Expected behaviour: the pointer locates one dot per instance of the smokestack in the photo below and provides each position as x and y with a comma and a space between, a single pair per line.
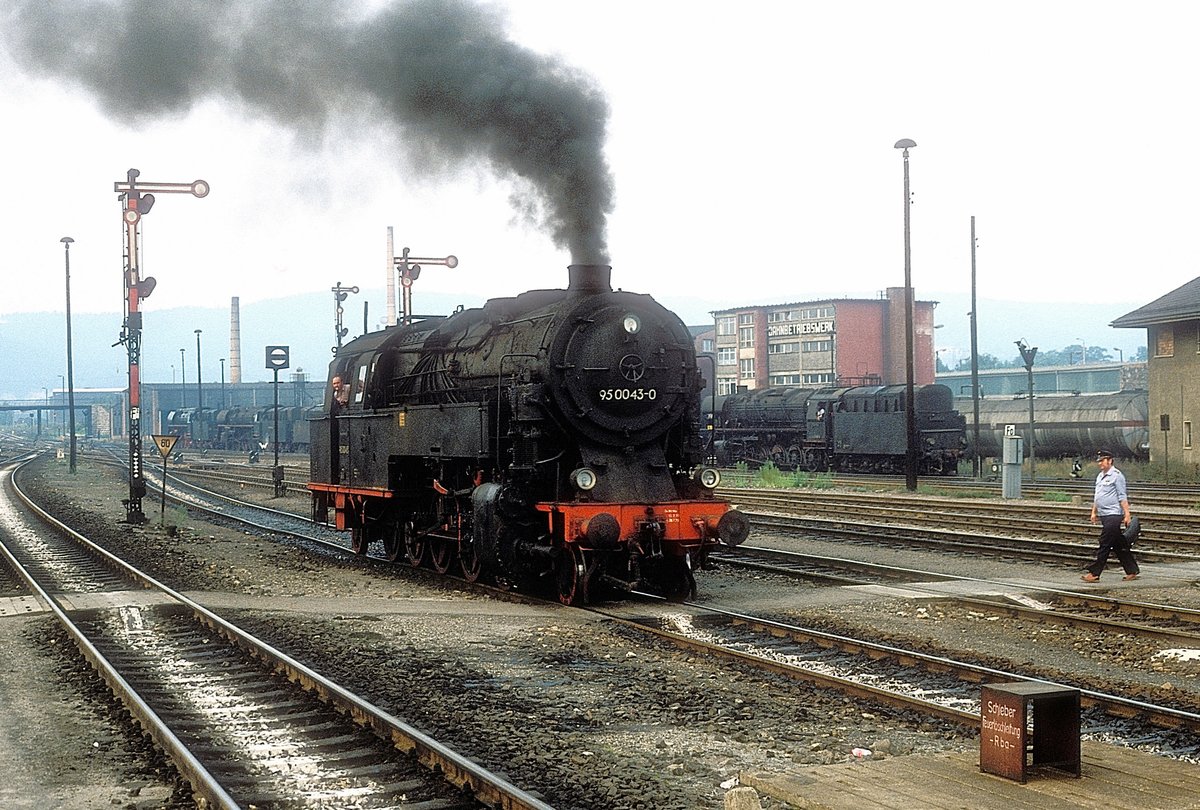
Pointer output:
391, 282
589, 278
235, 342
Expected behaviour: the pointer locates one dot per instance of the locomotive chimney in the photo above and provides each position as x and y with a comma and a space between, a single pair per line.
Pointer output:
586, 279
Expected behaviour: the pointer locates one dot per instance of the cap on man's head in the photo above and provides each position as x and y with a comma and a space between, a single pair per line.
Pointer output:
1103, 454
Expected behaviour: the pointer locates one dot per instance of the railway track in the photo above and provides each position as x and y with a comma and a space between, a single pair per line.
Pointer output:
931, 685
1060, 529
1145, 493
942, 688
1170, 624
244, 724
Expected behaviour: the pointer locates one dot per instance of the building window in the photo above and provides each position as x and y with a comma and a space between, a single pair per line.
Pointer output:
725, 326
707, 345
746, 368
1164, 342
1187, 434
811, 379
726, 356
726, 386
823, 346
785, 379
783, 348
746, 337
746, 319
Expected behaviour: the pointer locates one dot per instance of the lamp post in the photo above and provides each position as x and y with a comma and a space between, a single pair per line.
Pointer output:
977, 462
199, 389
182, 380
910, 415
1083, 356
1120, 354
222, 382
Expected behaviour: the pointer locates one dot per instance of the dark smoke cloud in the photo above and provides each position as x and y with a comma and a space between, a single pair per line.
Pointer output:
441, 71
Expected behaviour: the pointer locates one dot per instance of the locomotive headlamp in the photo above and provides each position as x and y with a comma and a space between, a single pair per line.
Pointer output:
584, 479
708, 477
631, 323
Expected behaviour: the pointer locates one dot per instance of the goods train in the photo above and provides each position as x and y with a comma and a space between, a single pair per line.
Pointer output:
547, 438
1064, 426
861, 429
241, 429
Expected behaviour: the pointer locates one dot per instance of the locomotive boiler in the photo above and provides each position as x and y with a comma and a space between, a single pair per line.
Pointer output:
858, 429
551, 437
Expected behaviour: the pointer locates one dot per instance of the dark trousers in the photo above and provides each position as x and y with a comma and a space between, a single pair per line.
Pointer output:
1112, 541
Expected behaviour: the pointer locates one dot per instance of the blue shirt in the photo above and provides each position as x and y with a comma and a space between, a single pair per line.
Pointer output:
1110, 491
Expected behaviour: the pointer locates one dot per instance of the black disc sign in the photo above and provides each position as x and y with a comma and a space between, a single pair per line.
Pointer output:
277, 357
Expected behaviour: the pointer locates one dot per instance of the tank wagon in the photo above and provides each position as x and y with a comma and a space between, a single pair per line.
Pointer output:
859, 429
1065, 426
550, 437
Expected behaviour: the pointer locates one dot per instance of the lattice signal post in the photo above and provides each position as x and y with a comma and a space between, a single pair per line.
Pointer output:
136, 200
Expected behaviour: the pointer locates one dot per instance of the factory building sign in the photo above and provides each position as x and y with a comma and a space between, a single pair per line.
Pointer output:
806, 328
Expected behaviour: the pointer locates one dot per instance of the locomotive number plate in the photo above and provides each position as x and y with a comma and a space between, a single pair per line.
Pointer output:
627, 394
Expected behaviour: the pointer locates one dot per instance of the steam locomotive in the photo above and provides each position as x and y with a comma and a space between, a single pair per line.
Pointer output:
862, 429
245, 429
550, 437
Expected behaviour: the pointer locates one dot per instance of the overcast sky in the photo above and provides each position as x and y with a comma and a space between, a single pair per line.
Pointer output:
750, 148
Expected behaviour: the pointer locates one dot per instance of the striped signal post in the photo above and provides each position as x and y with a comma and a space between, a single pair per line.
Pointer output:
137, 198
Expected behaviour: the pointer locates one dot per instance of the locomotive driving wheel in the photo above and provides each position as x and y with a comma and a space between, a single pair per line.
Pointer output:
393, 541
574, 576
468, 558
414, 545
812, 460
441, 554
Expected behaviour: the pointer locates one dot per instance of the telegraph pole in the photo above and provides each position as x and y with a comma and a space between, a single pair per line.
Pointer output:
977, 462
910, 405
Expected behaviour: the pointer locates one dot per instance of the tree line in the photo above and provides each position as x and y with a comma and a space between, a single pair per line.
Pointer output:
1066, 356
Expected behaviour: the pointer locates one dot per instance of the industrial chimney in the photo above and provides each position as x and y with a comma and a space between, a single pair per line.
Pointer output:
235, 342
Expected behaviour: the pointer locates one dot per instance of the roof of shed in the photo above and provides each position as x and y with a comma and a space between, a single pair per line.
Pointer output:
1182, 304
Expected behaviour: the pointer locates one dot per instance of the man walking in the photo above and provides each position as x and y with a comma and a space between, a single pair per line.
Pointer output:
1110, 508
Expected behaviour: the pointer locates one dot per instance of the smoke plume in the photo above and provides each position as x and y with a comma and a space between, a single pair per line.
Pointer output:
441, 72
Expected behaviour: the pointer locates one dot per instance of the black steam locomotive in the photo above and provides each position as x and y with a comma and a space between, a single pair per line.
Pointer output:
860, 429
548, 437
246, 429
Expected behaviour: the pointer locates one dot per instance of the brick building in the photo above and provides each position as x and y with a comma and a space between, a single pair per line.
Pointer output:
859, 341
